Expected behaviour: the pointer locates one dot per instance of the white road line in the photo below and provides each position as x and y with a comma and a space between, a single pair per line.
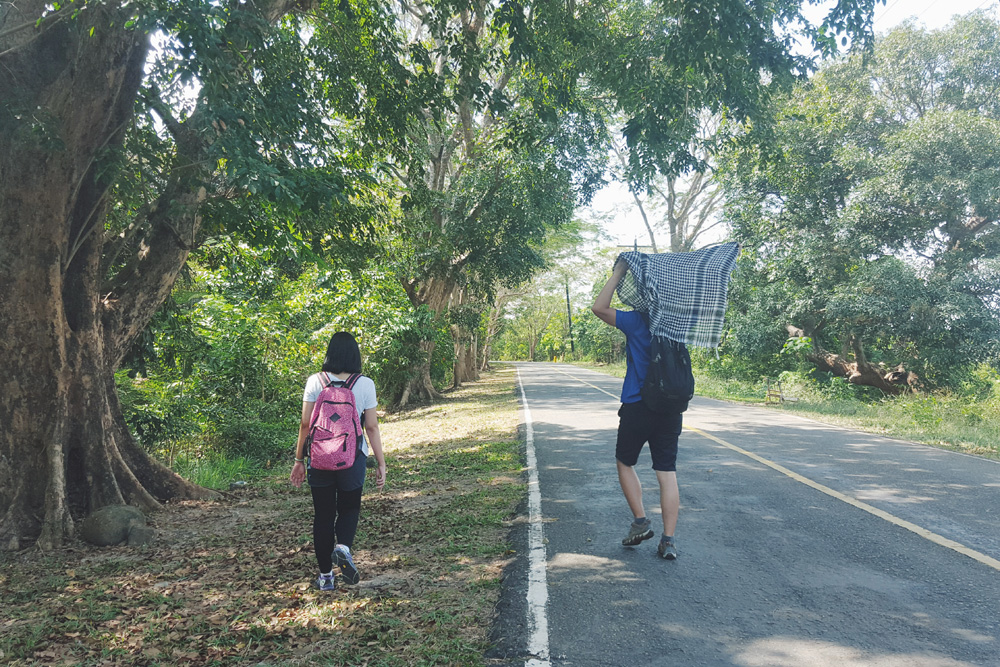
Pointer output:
850, 500
538, 591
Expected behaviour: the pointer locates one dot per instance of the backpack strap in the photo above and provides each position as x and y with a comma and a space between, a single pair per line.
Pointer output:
349, 382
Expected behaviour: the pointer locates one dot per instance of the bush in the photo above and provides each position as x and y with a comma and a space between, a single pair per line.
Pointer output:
247, 437
160, 414
224, 368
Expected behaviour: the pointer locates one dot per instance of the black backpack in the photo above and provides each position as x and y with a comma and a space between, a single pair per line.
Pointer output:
669, 384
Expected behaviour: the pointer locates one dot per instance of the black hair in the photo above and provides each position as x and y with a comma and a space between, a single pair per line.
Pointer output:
342, 354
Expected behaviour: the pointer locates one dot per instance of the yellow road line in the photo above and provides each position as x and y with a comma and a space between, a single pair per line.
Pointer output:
854, 502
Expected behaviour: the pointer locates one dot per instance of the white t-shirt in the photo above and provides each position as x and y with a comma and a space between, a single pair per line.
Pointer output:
364, 395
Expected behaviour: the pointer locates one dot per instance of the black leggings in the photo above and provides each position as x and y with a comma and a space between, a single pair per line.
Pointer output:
335, 521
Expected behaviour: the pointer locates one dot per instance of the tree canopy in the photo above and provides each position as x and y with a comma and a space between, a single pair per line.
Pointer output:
871, 214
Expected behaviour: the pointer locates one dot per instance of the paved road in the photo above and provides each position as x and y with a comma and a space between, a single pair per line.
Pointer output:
804, 555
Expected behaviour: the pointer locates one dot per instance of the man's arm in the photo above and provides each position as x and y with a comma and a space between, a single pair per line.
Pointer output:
602, 305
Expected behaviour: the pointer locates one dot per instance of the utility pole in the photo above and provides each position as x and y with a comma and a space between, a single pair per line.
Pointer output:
569, 319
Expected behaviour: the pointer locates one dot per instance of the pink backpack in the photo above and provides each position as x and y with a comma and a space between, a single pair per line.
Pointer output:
335, 429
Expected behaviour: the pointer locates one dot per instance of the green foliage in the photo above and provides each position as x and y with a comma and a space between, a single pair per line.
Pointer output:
924, 411
218, 472
554, 342
739, 368
222, 375
514, 128
869, 209
442, 359
596, 341
796, 345
237, 103
981, 384
713, 385
666, 63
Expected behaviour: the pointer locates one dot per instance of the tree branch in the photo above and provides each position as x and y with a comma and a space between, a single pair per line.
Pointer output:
645, 220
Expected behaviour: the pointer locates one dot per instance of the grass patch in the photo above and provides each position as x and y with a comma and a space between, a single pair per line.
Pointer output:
230, 582
216, 472
940, 420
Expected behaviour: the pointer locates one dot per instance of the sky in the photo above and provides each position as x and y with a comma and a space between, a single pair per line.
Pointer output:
625, 224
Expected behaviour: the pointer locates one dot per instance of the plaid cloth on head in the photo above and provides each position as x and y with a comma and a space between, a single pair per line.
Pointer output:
682, 293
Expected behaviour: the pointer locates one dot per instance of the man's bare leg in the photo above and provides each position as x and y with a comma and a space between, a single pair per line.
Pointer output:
632, 488
670, 500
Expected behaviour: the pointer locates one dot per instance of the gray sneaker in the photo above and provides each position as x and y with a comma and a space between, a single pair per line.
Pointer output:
666, 549
327, 582
637, 532
342, 559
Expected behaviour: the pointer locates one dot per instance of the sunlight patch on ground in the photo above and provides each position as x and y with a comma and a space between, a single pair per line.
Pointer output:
891, 495
792, 652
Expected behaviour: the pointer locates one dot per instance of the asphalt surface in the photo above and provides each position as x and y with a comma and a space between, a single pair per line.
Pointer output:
772, 571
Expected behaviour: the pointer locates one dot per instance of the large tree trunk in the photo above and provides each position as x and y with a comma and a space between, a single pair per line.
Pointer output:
420, 388
492, 329
466, 355
68, 89
68, 94
471, 362
858, 370
435, 293
464, 368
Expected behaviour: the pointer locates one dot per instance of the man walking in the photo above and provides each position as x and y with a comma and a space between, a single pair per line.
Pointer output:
639, 425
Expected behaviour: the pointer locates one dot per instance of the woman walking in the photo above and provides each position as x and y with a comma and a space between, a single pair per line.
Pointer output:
337, 493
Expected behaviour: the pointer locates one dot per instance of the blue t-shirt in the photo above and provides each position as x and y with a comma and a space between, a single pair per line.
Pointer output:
637, 341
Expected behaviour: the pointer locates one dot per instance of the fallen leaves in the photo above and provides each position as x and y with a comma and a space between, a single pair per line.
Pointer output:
230, 583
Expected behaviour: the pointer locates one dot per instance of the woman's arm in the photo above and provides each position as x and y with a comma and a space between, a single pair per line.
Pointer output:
299, 469
602, 304
375, 440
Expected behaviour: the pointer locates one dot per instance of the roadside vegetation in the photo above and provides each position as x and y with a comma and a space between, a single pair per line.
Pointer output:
231, 582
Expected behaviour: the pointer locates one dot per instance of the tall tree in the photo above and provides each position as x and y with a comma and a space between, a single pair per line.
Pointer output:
116, 160
493, 167
511, 138
877, 213
683, 206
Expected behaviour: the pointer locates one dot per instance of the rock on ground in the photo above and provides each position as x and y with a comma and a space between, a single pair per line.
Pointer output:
112, 525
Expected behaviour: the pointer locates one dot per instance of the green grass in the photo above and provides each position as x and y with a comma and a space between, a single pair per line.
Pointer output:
941, 420
215, 472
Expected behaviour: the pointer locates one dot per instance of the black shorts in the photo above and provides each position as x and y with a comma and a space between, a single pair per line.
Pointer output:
639, 425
